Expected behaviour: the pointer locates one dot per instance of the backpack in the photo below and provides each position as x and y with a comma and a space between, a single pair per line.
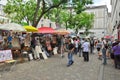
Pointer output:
92, 42
106, 46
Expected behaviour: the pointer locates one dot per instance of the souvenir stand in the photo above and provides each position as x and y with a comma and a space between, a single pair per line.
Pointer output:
26, 49
27, 41
16, 49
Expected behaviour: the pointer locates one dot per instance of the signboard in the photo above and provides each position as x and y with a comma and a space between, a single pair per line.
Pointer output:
5, 55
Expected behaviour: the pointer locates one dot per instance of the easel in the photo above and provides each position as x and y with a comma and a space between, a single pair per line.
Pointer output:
7, 58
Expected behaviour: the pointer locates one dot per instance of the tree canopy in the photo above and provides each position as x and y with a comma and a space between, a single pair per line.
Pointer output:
31, 11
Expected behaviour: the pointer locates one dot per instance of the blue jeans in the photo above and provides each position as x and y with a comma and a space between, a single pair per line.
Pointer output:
91, 49
104, 56
80, 52
76, 50
70, 58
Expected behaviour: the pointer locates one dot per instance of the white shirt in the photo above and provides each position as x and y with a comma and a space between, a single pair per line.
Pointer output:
76, 44
72, 41
86, 46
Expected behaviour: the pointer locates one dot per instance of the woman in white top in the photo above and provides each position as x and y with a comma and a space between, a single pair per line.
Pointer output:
86, 49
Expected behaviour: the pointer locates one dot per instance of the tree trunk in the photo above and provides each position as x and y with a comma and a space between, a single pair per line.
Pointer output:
44, 10
36, 12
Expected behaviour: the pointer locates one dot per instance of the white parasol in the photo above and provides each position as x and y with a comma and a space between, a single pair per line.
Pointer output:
12, 26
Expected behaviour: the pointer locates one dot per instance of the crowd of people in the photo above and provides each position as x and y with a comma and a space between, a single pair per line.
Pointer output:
106, 48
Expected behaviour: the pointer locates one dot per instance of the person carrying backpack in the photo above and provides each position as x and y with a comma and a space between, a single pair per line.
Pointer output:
91, 45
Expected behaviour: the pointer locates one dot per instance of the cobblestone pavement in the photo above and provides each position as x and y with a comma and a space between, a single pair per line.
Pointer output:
110, 73
55, 68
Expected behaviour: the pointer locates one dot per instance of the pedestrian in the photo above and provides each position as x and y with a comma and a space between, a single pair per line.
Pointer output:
99, 46
86, 49
109, 49
9, 38
115, 42
104, 55
70, 53
116, 51
79, 46
91, 45
1, 41
48, 47
62, 46
81, 49
37, 44
76, 44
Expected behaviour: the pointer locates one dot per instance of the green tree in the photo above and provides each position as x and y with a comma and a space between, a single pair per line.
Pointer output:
31, 10
63, 14
59, 15
80, 5
84, 20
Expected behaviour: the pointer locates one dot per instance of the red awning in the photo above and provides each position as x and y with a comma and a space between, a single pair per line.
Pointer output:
108, 37
46, 30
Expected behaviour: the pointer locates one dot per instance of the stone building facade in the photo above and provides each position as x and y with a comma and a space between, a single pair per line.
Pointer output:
115, 18
99, 28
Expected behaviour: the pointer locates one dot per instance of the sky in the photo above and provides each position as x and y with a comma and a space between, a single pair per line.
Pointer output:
96, 2
103, 2
3, 2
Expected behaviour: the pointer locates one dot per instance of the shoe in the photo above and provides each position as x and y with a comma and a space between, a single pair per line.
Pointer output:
118, 66
100, 58
72, 62
104, 63
62, 56
68, 65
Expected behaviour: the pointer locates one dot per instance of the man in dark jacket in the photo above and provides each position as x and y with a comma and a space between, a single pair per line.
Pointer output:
91, 45
70, 53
